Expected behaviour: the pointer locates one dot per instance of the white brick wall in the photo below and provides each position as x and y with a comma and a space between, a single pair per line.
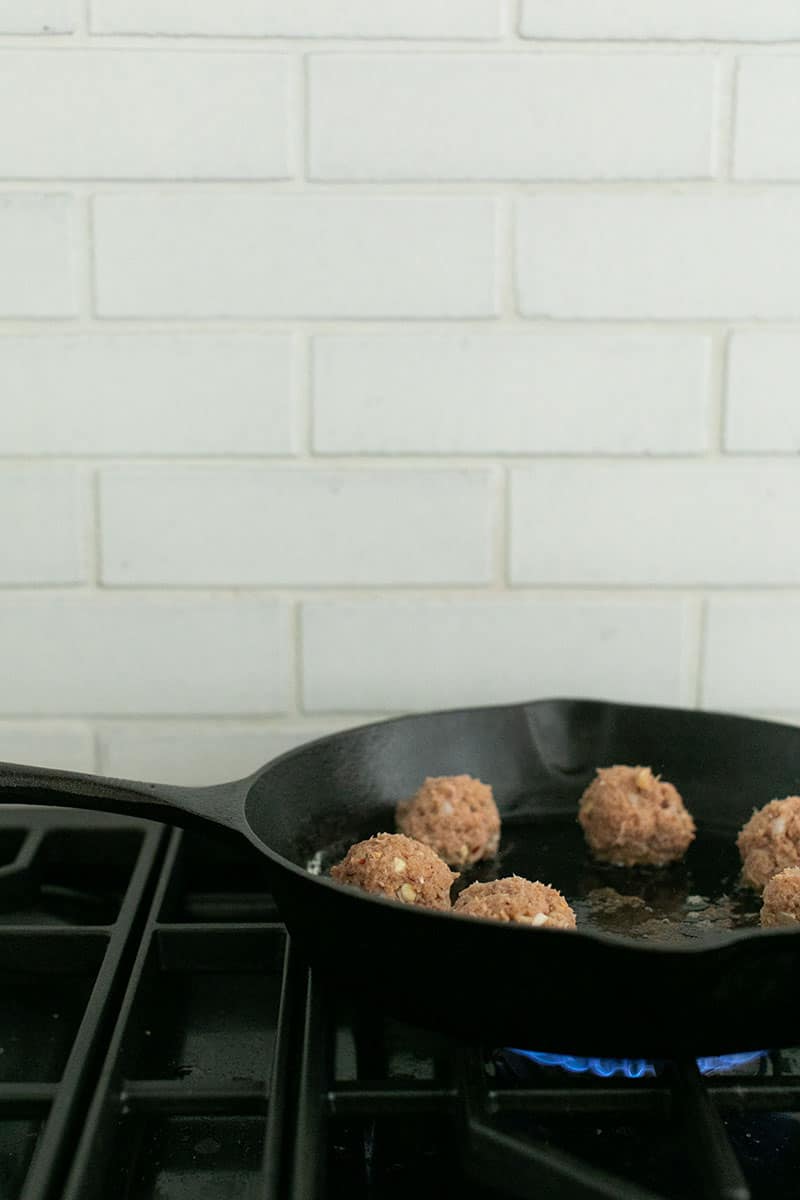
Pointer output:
452, 653
66, 746
242, 254
717, 20
239, 525
376, 355
303, 18
89, 655
112, 115
511, 393
147, 394
711, 255
37, 16
192, 753
752, 656
763, 409
462, 116
37, 253
665, 523
767, 107
42, 523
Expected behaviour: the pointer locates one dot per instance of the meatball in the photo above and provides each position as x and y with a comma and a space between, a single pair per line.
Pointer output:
782, 898
770, 841
632, 817
516, 899
398, 867
456, 815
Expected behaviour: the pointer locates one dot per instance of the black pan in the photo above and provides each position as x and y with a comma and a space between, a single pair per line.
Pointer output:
678, 968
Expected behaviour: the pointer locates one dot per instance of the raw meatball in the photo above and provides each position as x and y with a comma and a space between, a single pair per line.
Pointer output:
770, 841
782, 898
631, 817
398, 867
456, 815
516, 899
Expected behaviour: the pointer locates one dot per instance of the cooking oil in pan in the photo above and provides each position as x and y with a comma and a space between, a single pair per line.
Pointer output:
687, 901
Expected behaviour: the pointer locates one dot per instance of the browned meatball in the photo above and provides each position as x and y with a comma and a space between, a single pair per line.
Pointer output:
782, 898
456, 815
516, 899
398, 867
632, 817
770, 841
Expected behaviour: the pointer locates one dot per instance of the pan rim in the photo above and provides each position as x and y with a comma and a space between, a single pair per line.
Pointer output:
713, 944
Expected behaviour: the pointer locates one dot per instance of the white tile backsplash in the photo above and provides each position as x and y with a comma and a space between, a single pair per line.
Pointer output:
666, 523
43, 525
147, 394
260, 526
241, 254
452, 654
391, 354
459, 116
448, 394
661, 255
115, 115
96, 655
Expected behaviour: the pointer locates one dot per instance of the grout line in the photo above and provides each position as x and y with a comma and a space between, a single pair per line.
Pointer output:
510, 22
298, 118
353, 464
181, 722
395, 327
507, 41
724, 119
733, 119
317, 723
278, 723
612, 592
420, 187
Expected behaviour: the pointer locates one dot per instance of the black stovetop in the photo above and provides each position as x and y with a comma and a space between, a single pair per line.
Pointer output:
160, 1040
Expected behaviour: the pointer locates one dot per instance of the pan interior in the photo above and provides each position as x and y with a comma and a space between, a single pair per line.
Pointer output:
312, 804
688, 901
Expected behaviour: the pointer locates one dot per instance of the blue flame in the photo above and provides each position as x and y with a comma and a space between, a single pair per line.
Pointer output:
720, 1063
631, 1068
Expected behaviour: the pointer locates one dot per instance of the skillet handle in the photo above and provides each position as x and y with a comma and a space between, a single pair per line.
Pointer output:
222, 803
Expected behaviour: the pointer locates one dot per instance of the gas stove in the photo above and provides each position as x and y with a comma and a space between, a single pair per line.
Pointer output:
161, 1038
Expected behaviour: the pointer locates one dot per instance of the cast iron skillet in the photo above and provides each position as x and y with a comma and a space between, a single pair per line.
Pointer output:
632, 981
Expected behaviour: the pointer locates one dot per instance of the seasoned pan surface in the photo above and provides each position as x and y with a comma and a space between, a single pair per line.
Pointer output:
663, 962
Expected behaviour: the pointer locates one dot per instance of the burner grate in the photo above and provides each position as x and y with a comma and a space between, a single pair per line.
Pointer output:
194, 1057
371, 1124
63, 956
193, 1097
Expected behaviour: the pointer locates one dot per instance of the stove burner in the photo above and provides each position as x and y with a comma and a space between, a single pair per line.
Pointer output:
633, 1068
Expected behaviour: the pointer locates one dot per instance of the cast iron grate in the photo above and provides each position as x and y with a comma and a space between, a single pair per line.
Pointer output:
377, 1119
159, 1038
71, 896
